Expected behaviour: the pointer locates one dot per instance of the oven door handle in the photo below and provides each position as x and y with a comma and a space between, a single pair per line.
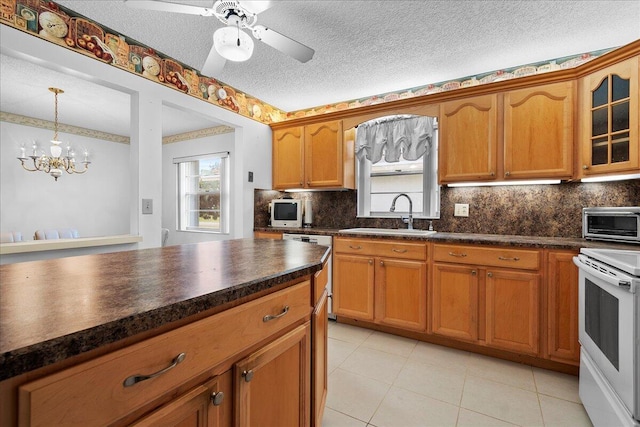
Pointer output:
625, 284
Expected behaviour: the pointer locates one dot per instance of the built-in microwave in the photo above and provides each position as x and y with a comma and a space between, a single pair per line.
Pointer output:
286, 213
619, 224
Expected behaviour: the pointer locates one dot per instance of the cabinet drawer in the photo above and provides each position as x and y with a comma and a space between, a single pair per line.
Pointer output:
488, 256
93, 393
382, 248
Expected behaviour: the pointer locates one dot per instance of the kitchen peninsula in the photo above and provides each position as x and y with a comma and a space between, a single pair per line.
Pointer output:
82, 338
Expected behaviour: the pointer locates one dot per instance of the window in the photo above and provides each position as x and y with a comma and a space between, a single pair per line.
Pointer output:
379, 183
203, 194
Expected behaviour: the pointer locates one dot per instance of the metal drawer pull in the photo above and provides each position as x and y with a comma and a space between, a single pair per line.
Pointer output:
515, 258
382, 263
217, 398
400, 251
355, 247
247, 375
268, 317
134, 379
458, 255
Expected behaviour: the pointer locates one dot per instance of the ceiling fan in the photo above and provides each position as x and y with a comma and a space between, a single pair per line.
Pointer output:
230, 42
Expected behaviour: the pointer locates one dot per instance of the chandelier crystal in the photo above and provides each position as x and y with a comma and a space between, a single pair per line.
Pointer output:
55, 163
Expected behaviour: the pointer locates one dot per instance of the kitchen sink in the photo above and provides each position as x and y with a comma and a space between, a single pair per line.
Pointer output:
388, 231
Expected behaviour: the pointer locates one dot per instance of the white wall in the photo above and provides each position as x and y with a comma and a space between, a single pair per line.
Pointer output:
96, 203
252, 140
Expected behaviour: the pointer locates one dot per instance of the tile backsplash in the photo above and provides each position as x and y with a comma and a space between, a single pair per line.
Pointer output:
535, 210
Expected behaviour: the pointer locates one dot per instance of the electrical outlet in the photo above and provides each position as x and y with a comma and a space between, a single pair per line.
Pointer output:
461, 209
147, 206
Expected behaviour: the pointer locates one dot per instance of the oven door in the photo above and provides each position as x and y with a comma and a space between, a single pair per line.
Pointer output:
606, 332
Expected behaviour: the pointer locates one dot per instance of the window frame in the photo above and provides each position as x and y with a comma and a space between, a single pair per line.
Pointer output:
430, 187
182, 218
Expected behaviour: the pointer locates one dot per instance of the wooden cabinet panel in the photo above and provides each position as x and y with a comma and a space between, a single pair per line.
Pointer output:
512, 304
528, 259
454, 301
562, 308
271, 385
288, 158
538, 132
97, 388
610, 119
381, 248
401, 293
267, 235
323, 155
319, 360
468, 139
208, 405
353, 280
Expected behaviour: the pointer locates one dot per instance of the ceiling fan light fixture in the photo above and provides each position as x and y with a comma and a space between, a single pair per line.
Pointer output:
233, 44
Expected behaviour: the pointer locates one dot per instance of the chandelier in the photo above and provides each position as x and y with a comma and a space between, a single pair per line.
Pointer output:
55, 163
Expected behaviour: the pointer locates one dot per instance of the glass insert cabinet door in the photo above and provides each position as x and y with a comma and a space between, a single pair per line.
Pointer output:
610, 133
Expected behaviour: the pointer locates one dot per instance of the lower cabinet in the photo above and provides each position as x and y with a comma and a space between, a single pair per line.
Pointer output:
148, 383
319, 358
382, 281
454, 301
208, 405
272, 384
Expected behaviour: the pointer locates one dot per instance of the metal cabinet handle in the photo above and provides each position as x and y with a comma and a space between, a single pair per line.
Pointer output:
301, 183
217, 398
382, 263
370, 261
268, 317
400, 251
585, 167
355, 247
457, 255
247, 375
490, 274
134, 379
515, 258
473, 272
308, 182
492, 173
507, 173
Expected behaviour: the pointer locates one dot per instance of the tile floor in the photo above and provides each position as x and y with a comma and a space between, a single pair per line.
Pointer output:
381, 380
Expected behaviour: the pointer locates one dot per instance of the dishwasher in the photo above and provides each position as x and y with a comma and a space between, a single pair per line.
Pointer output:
317, 239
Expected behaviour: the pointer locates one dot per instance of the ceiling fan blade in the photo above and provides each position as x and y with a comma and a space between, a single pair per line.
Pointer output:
214, 64
283, 43
256, 6
164, 6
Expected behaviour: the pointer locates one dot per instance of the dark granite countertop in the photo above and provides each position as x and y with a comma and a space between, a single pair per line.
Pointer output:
471, 238
54, 309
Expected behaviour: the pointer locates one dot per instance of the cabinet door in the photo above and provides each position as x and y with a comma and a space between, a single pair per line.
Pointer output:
610, 113
319, 367
538, 132
512, 305
271, 386
454, 301
401, 293
468, 139
208, 405
323, 155
267, 235
288, 158
353, 278
562, 308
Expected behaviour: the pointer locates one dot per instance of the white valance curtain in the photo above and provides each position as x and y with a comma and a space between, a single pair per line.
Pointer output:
408, 137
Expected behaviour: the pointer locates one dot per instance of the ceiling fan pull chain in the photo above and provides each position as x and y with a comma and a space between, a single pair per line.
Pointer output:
238, 26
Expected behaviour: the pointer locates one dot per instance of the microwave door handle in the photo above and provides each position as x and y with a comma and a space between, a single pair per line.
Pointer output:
626, 284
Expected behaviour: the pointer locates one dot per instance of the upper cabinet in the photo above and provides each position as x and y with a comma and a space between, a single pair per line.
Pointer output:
468, 139
609, 131
535, 139
319, 155
538, 132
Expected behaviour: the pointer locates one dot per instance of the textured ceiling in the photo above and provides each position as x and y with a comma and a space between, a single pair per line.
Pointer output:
365, 48
362, 48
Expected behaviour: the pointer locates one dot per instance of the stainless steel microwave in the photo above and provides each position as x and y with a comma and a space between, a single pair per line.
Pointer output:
620, 224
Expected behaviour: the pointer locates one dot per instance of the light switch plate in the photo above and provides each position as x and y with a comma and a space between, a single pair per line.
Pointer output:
461, 209
147, 206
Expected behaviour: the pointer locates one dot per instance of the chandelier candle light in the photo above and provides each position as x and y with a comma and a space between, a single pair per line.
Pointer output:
55, 163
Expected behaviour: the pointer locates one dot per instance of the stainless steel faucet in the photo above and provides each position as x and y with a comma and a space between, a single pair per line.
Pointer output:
408, 221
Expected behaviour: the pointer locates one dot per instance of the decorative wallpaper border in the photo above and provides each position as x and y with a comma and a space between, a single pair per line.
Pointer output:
69, 29
74, 130
106, 136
